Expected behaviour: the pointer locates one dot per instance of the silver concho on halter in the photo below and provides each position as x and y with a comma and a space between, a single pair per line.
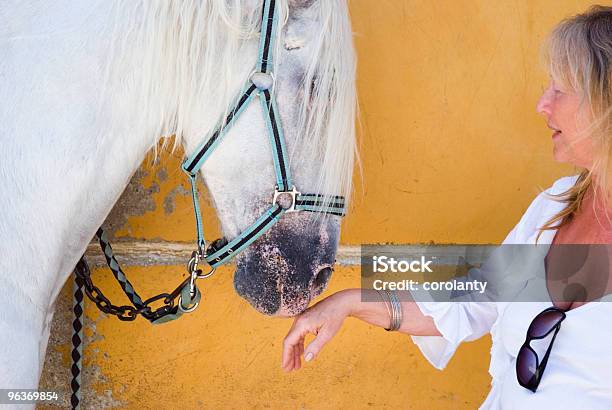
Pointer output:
286, 199
263, 81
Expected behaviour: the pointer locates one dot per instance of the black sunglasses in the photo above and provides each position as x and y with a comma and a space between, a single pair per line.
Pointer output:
529, 370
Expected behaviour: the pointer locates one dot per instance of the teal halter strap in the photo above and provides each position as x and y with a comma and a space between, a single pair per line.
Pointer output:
286, 197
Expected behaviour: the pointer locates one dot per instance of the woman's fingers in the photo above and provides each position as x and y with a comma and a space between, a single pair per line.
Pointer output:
317, 344
299, 350
301, 346
291, 345
296, 358
323, 320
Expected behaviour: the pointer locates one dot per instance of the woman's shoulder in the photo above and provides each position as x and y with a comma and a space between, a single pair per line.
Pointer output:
540, 211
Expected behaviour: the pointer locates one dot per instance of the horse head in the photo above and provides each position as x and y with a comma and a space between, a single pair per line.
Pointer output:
314, 88
312, 79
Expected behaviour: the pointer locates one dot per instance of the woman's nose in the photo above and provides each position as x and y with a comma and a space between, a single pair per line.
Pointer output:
544, 104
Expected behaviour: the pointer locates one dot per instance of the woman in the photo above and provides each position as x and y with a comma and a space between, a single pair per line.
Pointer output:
577, 369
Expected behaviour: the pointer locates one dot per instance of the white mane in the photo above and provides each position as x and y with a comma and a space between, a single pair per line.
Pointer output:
189, 53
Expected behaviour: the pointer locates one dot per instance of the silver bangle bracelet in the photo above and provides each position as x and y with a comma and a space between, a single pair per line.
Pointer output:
396, 306
387, 302
391, 299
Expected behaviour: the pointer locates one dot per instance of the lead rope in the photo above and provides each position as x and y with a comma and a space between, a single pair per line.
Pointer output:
77, 342
118, 273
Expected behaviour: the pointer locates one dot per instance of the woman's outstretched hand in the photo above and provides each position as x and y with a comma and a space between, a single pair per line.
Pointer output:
323, 320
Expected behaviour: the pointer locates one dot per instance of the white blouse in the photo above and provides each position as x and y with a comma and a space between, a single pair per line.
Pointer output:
578, 374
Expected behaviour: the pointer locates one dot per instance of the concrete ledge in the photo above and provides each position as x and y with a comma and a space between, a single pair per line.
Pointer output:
140, 253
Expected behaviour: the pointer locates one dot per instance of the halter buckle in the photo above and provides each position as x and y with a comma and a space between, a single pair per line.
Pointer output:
282, 199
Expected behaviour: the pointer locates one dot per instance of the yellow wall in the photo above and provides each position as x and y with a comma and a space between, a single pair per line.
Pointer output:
452, 152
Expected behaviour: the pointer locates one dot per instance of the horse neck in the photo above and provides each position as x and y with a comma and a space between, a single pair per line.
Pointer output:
60, 192
62, 169
78, 127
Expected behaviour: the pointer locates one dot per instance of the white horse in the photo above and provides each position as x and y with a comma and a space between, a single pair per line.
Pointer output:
88, 87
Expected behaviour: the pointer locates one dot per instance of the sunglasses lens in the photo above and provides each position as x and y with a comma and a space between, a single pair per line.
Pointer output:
544, 323
526, 365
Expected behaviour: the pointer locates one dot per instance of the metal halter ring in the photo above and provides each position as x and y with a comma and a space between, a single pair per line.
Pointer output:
192, 268
279, 198
263, 81
192, 265
188, 310
201, 275
194, 293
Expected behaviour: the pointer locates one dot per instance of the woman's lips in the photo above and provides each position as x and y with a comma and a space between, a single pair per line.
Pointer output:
556, 132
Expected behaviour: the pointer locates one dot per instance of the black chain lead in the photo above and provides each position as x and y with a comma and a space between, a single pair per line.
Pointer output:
127, 312
140, 307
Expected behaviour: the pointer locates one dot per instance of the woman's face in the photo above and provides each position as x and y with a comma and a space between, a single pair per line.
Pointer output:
569, 120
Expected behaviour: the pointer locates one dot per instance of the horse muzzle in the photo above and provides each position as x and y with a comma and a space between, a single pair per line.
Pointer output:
285, 269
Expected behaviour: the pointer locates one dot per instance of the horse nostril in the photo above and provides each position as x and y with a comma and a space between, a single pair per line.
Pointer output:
322, 277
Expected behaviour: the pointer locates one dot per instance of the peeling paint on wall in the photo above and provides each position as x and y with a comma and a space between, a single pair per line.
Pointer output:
137, 199
169, 200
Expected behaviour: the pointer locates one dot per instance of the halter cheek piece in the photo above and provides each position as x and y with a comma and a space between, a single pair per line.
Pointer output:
286, 199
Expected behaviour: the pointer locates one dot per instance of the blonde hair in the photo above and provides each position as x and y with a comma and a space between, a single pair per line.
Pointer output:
579, 55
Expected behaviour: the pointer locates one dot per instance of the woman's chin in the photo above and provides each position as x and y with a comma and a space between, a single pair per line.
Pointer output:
561, 153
